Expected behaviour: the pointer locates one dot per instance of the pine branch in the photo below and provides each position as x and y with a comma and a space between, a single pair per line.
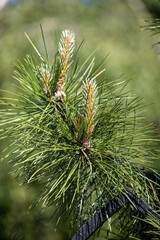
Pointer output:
80, 136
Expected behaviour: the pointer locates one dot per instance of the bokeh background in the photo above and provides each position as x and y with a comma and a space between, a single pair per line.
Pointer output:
115, 28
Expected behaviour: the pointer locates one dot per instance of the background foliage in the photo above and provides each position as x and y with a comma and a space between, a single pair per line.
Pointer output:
112, 25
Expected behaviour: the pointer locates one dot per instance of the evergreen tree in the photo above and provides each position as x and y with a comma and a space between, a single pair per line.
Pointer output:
81, 137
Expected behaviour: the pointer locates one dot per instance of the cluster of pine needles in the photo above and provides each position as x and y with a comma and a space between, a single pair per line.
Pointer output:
82, 137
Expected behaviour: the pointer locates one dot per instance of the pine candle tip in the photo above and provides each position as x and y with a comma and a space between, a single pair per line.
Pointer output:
90, 96
45, 77
66, 47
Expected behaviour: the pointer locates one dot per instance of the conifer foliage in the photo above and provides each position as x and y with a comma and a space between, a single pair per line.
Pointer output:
80, 136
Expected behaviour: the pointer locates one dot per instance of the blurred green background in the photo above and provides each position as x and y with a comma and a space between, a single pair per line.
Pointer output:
113, 26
